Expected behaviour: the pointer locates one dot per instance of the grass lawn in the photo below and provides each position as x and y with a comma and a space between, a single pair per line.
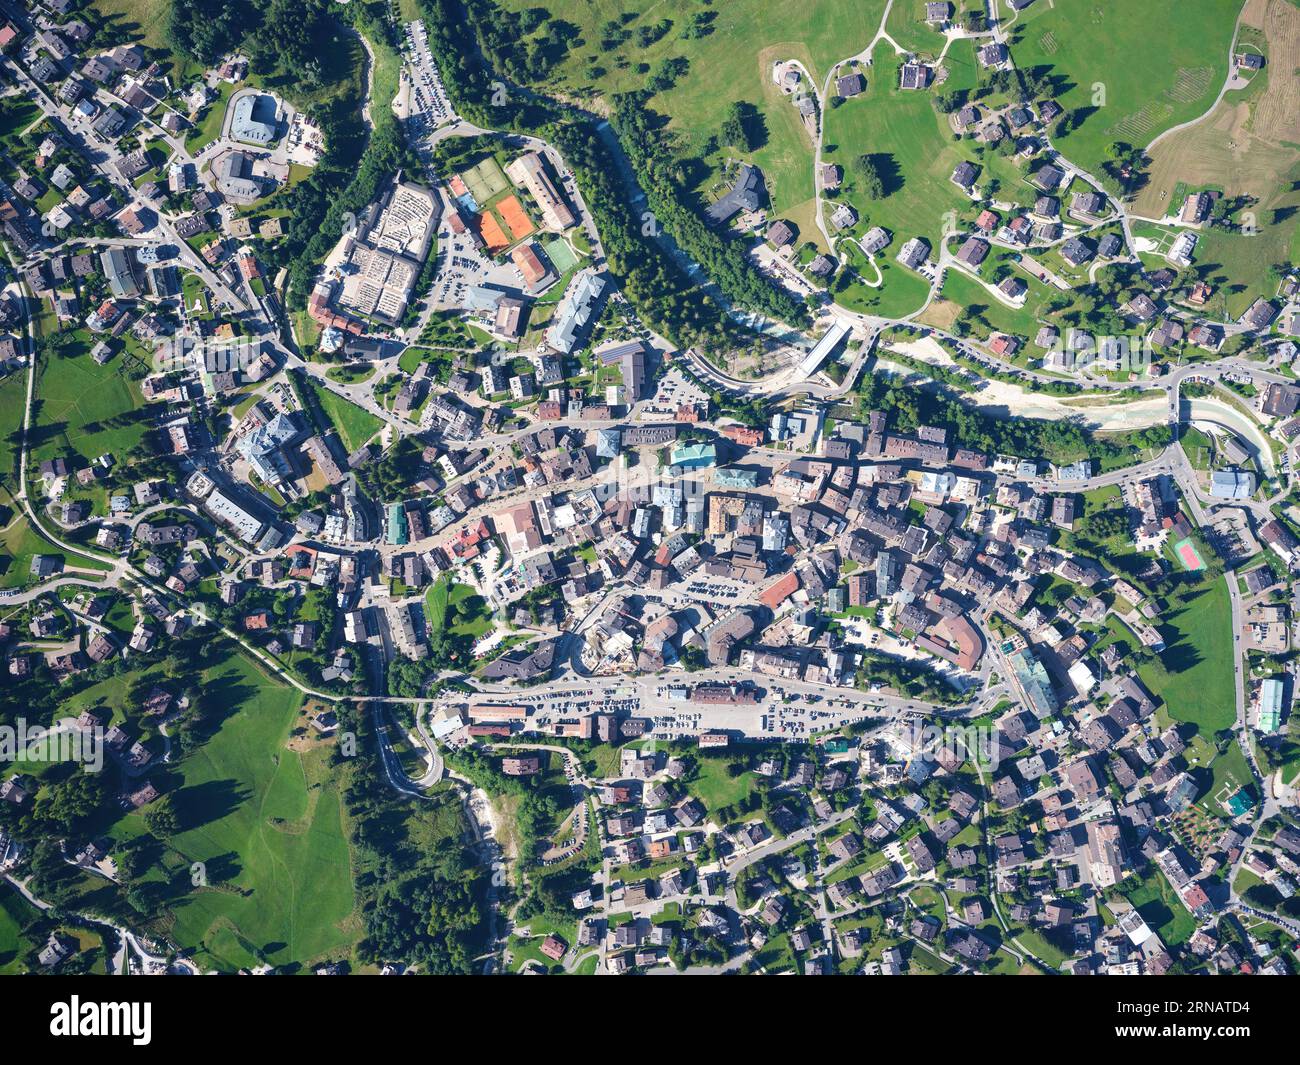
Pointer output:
1041, 946
355, 425
962, 291
352, 372
914, 152
603, 762
716, 787
112, 695
1246, 149
15, 914
1160, 908
209, 121
476, 622
900, 291
442, 603
1194, 673
1198, 447
306, 331
525, 949
441, 363
268, 824
386, 74
16, 115
910, 30
1231, 773
13, 396
1244, 260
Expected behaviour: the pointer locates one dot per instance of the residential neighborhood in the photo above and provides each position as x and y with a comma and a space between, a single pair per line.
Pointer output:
477, 501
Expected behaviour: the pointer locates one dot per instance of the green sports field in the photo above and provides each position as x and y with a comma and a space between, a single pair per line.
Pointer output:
561, 255
485, 179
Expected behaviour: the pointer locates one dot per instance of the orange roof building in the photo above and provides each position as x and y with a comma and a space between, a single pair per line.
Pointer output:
779, 591
956, 640
465, 545
529, 264
319, 310
743, 435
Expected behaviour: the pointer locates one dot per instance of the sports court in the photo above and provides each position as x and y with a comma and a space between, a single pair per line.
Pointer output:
561, 255
512, 211
485, 179
1188, 555
493, 235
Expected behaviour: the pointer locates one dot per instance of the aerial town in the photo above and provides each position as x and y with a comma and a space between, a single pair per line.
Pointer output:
474, 502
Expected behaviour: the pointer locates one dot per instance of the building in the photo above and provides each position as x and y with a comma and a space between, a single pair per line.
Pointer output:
1106, 856
116, 263
631, 359
748, 193
530, 265
972, 252
694, 456
1232, 484
521, 766
233, 173
821, 351
253, 119
529, 170
1032, 682
577, 313
964, 175
222, 506
264, 448
1272, 696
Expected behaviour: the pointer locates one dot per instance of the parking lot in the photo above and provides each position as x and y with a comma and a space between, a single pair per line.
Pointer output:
429, 107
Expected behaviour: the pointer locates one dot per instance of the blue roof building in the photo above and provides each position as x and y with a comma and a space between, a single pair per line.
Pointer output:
397, 529
694, 456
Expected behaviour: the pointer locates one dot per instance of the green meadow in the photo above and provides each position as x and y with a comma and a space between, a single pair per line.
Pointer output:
267, 824
732, 62
85, 409
1108, 53
16, 913
19, 542
1194, 673
912, 148
13, 397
